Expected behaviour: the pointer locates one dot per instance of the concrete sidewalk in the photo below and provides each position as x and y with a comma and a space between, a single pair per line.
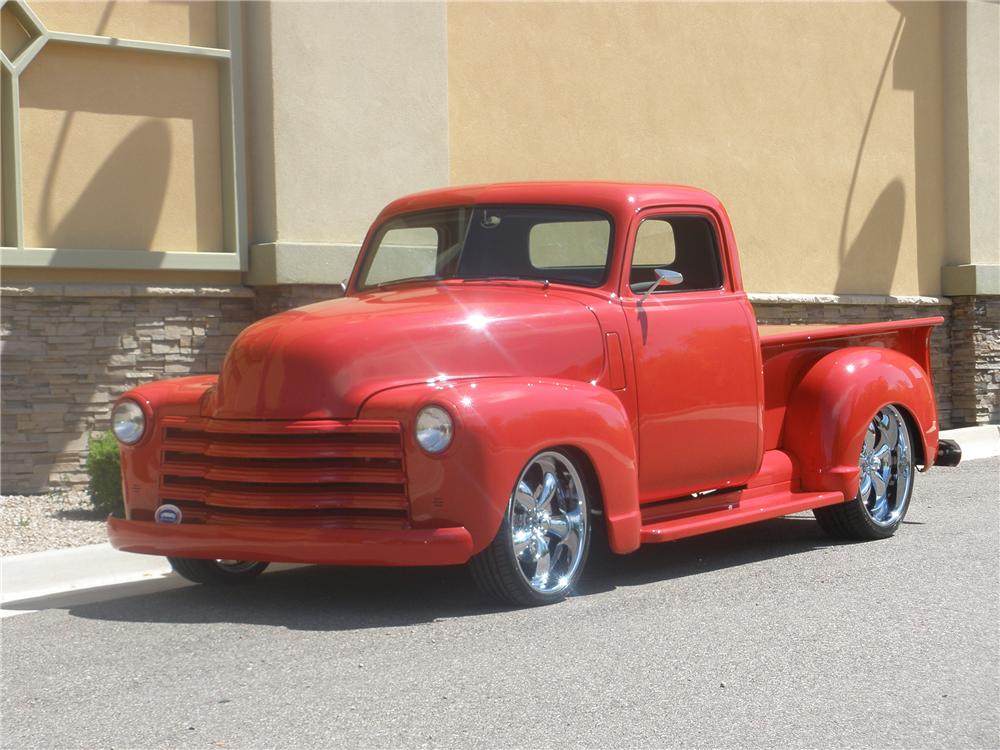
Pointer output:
56, 572
42, 574
982, 441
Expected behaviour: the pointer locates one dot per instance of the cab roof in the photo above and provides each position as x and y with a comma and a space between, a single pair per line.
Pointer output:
616, 198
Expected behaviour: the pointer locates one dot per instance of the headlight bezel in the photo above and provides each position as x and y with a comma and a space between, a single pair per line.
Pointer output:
436, 440
137, 416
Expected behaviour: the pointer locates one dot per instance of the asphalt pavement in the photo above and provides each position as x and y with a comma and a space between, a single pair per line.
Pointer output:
766, 636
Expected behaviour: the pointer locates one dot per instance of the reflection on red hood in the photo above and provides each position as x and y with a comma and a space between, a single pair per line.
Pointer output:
325, 360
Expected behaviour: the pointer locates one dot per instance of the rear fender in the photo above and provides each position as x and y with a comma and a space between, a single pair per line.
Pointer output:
830, 409
500, 423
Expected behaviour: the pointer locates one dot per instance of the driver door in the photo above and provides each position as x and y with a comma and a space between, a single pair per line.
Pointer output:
696, 358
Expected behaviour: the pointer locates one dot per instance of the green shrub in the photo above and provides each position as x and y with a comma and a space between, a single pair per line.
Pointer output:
104, 468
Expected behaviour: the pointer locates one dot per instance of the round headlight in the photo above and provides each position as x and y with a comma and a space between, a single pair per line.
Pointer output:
128, 422
434, 429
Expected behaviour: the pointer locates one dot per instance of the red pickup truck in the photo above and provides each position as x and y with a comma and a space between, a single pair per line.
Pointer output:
514, 370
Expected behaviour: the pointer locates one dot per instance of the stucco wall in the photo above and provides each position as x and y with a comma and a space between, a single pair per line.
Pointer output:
358, 114
818, 124
120, 150
173, 21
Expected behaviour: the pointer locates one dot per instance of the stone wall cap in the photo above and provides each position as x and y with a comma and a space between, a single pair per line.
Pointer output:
192, 291
798, 298
122, 290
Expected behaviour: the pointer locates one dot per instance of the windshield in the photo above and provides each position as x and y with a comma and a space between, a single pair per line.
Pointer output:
564, 245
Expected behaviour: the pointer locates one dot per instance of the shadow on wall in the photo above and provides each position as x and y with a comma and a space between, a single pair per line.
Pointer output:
82, 97
147, 145
916, 68
877, 245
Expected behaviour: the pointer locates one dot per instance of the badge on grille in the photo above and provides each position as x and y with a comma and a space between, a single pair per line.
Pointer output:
168, 514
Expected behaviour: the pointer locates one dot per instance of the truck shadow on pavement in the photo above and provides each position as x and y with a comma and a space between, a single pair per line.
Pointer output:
339, 598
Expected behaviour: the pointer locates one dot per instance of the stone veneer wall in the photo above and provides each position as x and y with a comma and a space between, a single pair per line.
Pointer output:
788, 308
275, 299
69, 351
975, 337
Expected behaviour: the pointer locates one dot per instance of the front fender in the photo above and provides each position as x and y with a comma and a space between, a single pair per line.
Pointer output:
500, 423
140, 462
830, 410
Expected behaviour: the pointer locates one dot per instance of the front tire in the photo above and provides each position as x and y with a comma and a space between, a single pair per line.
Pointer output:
217, 572
541, 548
886, 464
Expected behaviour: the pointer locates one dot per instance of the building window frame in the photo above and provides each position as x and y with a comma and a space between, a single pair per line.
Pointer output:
232, 256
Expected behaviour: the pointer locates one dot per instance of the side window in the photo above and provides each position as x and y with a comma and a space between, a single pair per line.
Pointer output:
685, 244
405, 253
654, 245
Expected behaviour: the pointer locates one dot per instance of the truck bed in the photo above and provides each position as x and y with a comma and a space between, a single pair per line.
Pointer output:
779, 335
788, 351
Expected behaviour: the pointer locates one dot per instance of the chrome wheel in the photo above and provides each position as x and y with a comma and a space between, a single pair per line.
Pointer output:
548, 522
886, 465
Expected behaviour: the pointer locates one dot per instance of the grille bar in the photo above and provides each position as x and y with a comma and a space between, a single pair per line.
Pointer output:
276, 448
233, 495
197, 513
336, 444
282, 472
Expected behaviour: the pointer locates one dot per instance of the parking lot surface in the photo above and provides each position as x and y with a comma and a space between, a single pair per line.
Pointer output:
764, 636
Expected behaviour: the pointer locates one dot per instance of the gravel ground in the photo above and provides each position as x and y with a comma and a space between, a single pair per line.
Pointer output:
34, 523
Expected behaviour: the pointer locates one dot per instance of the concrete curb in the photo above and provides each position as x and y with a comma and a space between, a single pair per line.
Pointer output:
58, 571
62, 577
982, 441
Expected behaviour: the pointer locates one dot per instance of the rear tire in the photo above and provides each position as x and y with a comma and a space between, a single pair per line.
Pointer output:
541, 548
886, 463
217, 572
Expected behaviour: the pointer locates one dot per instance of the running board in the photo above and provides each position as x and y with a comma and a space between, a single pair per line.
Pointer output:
739, 510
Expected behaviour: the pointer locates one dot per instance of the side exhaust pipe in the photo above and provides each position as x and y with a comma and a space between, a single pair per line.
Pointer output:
949, 453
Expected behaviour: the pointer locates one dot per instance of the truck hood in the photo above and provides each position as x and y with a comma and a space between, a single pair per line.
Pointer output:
324, 360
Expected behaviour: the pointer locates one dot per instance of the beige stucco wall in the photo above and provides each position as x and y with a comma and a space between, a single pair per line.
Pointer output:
173, 21
983, 88
347, 109
13, 36
819, 125
120, 150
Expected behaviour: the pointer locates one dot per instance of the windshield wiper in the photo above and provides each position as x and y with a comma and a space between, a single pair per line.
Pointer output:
543, 282
406, 279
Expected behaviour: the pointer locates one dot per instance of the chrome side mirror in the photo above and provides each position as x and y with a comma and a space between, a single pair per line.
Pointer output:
663, 278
